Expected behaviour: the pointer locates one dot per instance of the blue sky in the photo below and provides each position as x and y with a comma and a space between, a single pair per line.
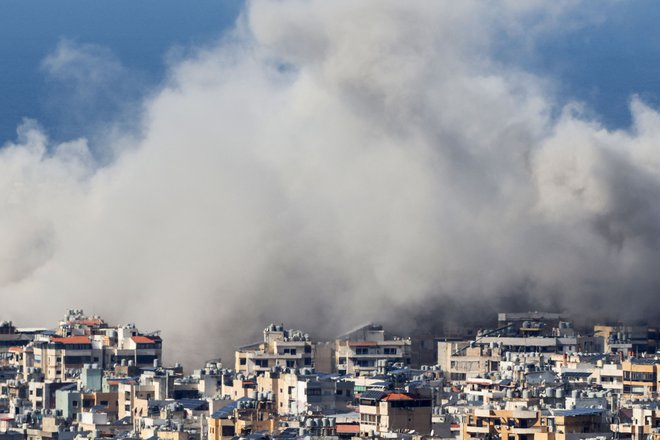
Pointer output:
602, 63
138, 33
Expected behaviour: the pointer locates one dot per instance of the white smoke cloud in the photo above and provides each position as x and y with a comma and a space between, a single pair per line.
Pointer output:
331, 163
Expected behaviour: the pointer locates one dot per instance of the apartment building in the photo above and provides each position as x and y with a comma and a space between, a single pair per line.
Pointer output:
629, 340
367, 349
280, 348
644, 423
532, 424
461, 361
126, 344
322, 394
387, 412
609, 376
242, 417
62, 358
641, 378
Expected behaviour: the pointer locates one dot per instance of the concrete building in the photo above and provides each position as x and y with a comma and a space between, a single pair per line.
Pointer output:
641, 378
90, 341
461, 361
644, 424
629, 340
281, 348
391, 412
68, 401
323, 395
526, 424
366, 349
242, 417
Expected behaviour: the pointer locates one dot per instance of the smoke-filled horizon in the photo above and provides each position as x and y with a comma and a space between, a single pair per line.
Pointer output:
331, 163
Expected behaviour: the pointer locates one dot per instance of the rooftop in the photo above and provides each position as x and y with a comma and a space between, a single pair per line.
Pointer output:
72, 340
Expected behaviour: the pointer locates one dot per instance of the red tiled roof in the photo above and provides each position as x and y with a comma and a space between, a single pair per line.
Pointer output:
348, 428
72, 340
15, 349
397, 396
142, 340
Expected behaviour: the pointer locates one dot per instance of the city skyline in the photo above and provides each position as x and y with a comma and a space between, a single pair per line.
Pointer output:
331, 164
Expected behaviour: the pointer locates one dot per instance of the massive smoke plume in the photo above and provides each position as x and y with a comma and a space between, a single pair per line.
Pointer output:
330, 163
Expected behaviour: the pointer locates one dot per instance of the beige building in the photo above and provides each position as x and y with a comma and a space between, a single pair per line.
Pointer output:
242, 417
366, 357
369, 349
281, 348
641, 378
281, 388
644, 424
609, 377
383, 412
61, 358
525, 424
459, 361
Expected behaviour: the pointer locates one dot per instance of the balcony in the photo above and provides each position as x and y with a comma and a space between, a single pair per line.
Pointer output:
534, 430
477, 429
375, 356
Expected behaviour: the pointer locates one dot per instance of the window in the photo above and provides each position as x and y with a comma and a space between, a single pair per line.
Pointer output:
242, 361
633, 389
389, 350
368, 419
639, 376
361, 351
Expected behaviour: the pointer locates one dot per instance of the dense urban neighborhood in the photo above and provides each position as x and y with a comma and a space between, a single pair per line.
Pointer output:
533, 377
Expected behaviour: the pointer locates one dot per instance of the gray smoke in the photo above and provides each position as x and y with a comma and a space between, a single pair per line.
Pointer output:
330, 163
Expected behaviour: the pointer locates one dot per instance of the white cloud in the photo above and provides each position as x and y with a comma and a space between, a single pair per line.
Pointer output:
337, 162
